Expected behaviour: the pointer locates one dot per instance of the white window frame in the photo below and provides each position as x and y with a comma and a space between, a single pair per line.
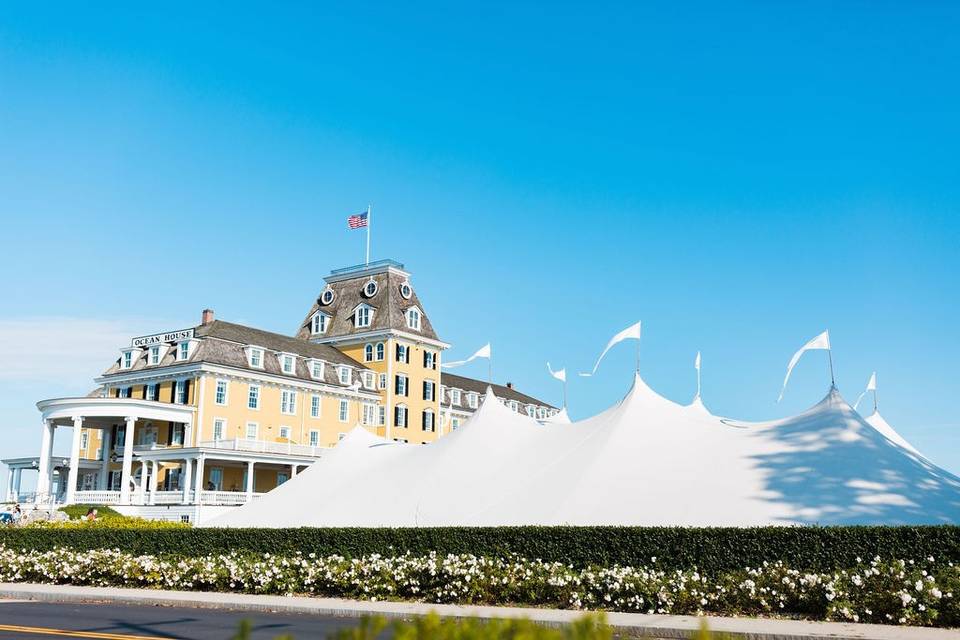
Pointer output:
382, 381
402, 386
515, 406
226, 392
256, 431
180, 392
401, 409
316, 406
126, 362
343, 414
362, 316
368, 352
473, 400
455, 396
316, 368
284, 429
314, 438
368, 414
430, 384
432, 427
183, 351
319, 323
151, 391
345, 375
288, 402
286, 359
222, 428
414, 318
429, 359
380, 351
255, 354
251, 395
369, 379
153, 355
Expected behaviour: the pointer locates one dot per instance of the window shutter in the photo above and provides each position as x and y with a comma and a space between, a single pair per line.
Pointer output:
186, 391
396, 416
396, 385
424, 389
169, 433
406, 358
423, 420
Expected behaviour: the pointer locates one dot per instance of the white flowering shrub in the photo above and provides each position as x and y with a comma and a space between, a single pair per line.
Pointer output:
883, 591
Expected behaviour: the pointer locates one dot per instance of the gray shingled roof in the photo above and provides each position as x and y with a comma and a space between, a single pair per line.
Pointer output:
479, 386
223, 343
389, 307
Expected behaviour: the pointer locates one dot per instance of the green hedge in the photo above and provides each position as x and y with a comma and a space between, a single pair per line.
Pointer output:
710, 549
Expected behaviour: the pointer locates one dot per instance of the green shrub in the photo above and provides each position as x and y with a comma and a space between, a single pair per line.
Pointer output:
709, 549
80, 511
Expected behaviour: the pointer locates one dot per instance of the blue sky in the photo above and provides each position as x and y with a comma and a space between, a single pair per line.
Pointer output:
739, 179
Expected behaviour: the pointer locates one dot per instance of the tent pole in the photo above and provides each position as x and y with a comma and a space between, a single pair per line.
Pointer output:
833, 382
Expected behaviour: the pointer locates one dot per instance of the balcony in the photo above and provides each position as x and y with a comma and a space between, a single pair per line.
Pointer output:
216, 498
262, 446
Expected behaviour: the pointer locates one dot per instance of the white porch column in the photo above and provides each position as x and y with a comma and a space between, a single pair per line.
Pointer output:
127, 471
104, 460
154, 467
185, 479
45, 469
74, 474
10, 493
142, 489
250, 481
187, 434
17, 479
198, 495
293, 471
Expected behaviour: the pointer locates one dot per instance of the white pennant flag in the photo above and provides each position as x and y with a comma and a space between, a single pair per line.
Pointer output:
822, 341
560, 375
871, 386
631, 332
483, 352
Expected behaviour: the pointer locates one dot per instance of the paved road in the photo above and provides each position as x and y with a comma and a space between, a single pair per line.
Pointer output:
22, 619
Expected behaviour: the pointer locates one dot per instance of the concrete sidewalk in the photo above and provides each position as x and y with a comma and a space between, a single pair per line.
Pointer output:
634, 624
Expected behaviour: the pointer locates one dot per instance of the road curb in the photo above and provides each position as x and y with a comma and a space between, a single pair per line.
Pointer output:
633, 624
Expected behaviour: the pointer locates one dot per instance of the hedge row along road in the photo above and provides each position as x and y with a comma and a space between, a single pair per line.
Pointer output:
709, 549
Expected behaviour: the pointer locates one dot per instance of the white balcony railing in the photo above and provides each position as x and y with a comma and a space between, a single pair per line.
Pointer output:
226, 497
169, 497
262, 446
97, 497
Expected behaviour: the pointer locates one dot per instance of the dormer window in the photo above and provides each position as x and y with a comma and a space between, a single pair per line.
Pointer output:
370, 289
362, 316
127, 359
514, 406
319, 322
288, 363
344, 375
368, 379
413, 318
472, 400
455, 396
530, 410
316, 369
183, 351
255, 357
153, 356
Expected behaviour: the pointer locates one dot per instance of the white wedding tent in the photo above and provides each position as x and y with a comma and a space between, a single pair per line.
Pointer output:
645, 461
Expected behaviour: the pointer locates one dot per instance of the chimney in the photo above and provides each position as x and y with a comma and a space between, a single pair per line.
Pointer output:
509, 385
206, 317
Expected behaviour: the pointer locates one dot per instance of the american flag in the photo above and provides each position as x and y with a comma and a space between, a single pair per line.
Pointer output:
357, 221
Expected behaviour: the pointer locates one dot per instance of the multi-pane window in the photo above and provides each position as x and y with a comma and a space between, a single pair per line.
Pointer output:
472, 400
180, 392
401, 385
84, 440
127, 359
314, 406
218, 428
344, 375
413, 318
154, 355
531, 411
344, 411
514, 406
124, 392
252, 430
368, 379
429, 360
382, 411
184, 351
256, 358
318, 324
380, 351
220, 396
284, 432
176, 434
454, 424
455, 396
150, 392
369, 413
288, 402
403, 353
368, 353
362, 316
428, 390
316, 369
382, 381
314, 438
428, 420
400, 415
253, 397
287, 363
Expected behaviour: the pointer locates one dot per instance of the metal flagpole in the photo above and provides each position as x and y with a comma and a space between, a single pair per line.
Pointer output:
564, 391
874, 399
638, 356
369, 221
833, 381
698, 382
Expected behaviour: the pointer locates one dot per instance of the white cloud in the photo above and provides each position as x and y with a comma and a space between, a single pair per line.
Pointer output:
65, 351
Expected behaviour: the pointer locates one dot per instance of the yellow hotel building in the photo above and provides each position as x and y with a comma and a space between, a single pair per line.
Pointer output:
212, 416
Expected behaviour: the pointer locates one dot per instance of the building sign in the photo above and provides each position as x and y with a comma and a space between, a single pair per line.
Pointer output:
160, 338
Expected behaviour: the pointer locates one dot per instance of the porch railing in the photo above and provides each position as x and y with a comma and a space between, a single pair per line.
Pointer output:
226, 497
262, 446
97, 497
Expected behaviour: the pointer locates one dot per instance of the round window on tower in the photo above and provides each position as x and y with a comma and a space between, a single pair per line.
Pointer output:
406, 290
370, 289
326, 297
